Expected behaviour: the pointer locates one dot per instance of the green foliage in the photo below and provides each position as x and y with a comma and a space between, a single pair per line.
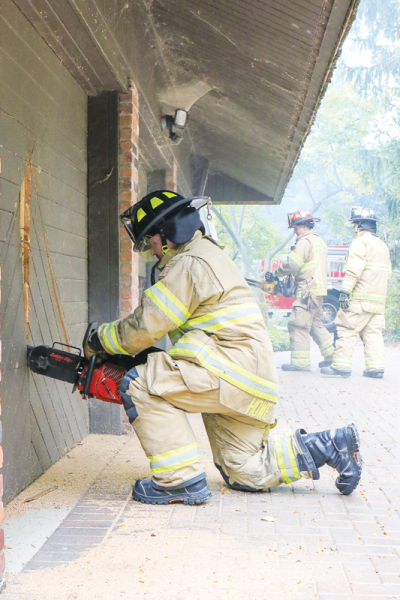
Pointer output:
331, 160
334, 215
279, 339
376, 34
382, 164
392, 314
332, 148
259, 234
374, 43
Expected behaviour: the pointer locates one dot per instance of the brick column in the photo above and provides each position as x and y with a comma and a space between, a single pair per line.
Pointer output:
128, 195
171, 177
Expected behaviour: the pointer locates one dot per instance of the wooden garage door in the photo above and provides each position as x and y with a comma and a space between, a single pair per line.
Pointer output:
44, 120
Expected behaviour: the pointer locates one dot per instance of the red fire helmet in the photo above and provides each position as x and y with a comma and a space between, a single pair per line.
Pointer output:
301, 217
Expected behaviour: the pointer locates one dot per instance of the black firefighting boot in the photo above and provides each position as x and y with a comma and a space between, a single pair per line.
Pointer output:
235, 486
337, 448
194, 491
332, 372
375, 374
325, 363
290, 367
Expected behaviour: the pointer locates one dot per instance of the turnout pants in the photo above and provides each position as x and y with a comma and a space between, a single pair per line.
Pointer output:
350, 325
240, 444
302, 324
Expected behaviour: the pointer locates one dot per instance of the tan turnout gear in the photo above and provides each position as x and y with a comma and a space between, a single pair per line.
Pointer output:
368, 270
221, 365
307, 261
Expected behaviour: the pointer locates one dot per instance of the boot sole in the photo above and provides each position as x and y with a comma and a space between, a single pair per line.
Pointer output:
334, 375
353, 446
188, 500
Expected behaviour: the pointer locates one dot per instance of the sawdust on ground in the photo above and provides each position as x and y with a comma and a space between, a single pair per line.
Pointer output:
72, 476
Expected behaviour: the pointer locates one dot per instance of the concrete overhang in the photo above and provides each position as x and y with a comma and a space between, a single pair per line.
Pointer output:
251, 73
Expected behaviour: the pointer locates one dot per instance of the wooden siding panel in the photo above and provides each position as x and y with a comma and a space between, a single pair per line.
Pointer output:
44, 110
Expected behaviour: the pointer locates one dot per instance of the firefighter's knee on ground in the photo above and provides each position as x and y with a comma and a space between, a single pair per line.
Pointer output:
127, 401
238, 474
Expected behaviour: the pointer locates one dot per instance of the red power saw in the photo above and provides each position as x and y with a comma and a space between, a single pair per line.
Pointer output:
94, 378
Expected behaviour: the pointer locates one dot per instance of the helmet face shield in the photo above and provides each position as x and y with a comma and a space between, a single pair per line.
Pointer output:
126, 220
146, 218
355, 212
132, 214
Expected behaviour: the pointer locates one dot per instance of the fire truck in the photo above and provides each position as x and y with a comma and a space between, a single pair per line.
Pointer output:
335, 273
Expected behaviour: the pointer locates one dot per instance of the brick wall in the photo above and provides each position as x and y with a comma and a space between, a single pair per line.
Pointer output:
2, 557
128, 195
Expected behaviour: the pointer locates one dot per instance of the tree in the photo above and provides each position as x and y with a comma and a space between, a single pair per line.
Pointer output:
330, 165
246, 235
375, 40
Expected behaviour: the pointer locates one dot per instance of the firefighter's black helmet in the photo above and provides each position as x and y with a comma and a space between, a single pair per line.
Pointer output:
176, 218
364, 217
361, 213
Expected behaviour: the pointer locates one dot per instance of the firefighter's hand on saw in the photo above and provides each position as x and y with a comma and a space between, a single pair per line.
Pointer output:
344, 300
270, 277
92, 345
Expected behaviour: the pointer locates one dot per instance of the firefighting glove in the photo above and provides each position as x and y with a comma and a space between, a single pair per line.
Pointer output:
92, 345
344, 298
270, 277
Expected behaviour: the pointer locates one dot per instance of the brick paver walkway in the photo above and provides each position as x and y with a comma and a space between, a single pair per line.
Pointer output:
321, 545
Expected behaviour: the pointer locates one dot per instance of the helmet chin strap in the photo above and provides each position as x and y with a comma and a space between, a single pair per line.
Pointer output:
153, 272
164, 244
165, 249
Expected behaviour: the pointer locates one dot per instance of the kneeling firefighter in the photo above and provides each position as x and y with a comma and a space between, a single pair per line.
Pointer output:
307, 261
362, 299
221, 365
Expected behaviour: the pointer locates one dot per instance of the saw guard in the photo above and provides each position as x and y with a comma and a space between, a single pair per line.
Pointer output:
105, 383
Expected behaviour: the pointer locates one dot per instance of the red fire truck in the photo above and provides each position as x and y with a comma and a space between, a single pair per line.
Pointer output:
335, 274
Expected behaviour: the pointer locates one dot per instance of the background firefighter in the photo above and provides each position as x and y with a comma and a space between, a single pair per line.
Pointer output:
307, 261
221, 365
362, 299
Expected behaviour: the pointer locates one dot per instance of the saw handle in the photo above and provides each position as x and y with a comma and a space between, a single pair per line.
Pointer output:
67, 346
89, 376
91, 327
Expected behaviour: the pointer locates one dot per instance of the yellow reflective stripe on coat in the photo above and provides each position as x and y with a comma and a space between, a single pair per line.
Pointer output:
225, 369
226, 317
168, 303
175, 335
354, 263
296, 258
367, 296
378, 267
348, 285
311, 264
110, 339
175, 459
285, 458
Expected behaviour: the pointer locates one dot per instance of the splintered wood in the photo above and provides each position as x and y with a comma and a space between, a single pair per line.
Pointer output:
25, 236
